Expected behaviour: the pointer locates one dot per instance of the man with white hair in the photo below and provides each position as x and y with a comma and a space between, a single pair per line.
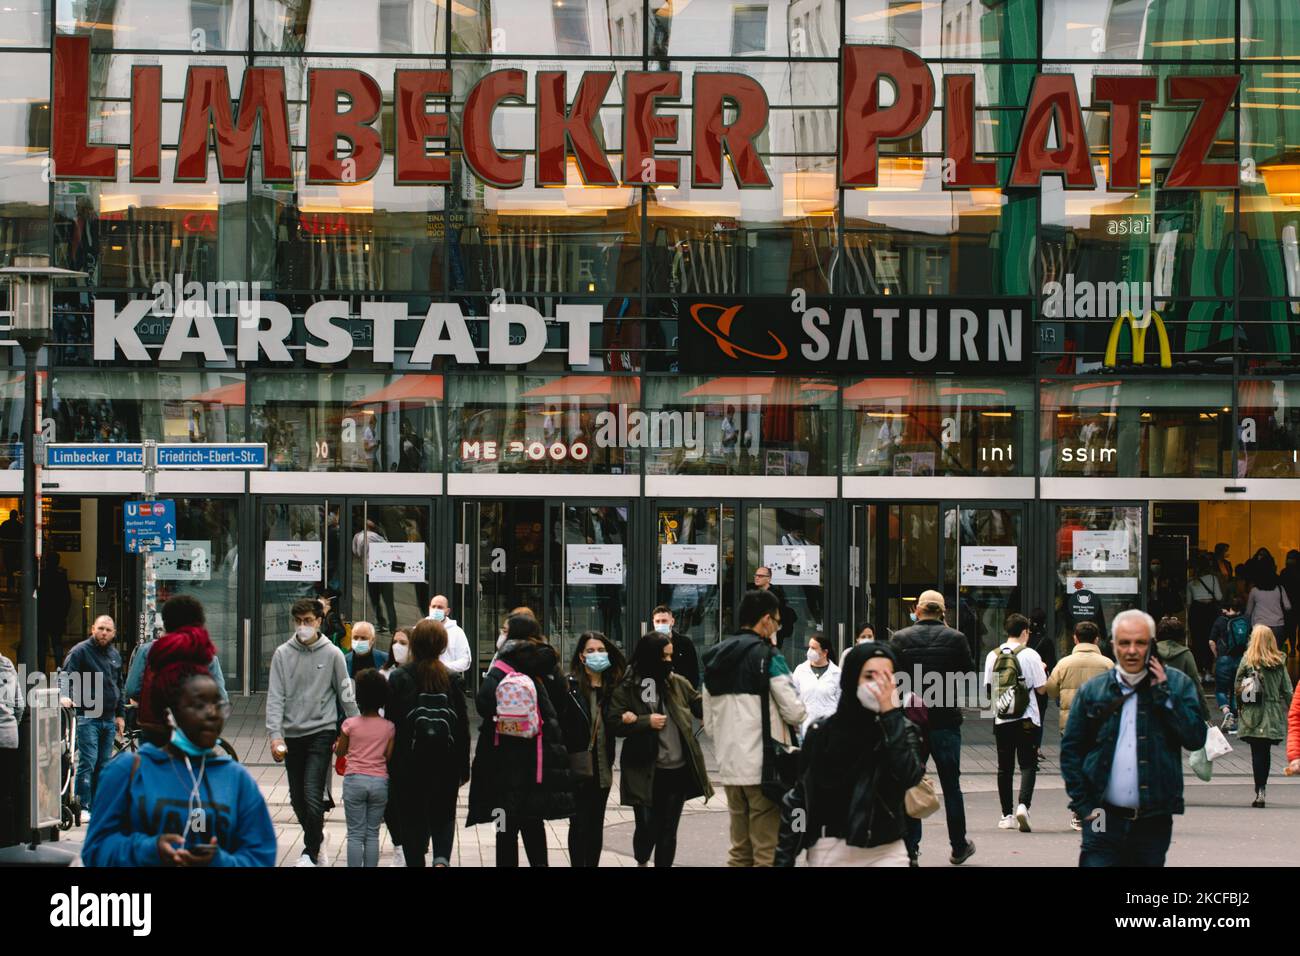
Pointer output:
1121, 755
364, 654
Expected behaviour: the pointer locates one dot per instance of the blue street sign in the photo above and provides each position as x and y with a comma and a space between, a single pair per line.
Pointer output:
149, 526
84, 455
232, 455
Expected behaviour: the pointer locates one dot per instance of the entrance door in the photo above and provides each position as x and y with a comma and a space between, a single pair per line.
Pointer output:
789, 539
695, 567
982, 571
1099, 564
589, 545
307, 546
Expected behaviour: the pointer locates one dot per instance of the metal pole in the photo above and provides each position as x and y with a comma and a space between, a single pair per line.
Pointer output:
148, 580
31, 501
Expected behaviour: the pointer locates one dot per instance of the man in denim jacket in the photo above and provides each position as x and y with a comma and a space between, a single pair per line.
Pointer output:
1121, 755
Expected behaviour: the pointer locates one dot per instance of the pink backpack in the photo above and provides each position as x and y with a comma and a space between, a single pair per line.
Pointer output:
518, 713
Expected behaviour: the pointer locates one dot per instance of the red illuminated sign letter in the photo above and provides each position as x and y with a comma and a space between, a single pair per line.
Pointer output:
488, 163
863, 124
146, 124
416, 126
73, 157
1190, 170
959, 136
1053, 101
326, 126
1125, 94
711, 136
643, 127
207, 105
558, 129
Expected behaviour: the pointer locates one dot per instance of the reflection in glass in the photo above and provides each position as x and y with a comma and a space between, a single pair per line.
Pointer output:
701, 610
350, 26
167, 406
1098, 565
388, 605
788, 527
574, 609
207, 535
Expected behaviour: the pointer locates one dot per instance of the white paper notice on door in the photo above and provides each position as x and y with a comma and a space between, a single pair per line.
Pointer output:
794, 563
292, 561
1098, 551
462, 563
191, 561
688, 564
989, 567
593, 564
396, 561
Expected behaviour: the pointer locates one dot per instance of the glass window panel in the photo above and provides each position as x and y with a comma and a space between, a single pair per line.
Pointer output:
1103, 586
546, 27
565, 424
349, 26
24, 158
195, 25
207, 530
1141, 30
25, 23
1268, 413
932, 28
924, 427
162, 405
1201, 334
1136, 428
741, 426
347, 421
1274, 28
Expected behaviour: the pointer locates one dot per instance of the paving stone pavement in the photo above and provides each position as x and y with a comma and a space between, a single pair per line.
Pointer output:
1216, 808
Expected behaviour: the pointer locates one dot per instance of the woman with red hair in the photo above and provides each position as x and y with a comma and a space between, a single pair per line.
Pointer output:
180, 804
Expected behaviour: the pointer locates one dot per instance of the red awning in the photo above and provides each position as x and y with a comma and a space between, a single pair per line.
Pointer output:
876, 389
407, 388
733, 387
617, 388
232, 394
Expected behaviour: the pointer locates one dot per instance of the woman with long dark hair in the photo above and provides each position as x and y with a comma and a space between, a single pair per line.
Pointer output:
431, 751
595, 671
1268, 603
663, 766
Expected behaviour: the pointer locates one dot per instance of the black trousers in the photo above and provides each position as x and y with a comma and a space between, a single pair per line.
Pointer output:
306, 764
534, 835
10, 830
656, 825
587, 825
1017, 743
1261, 761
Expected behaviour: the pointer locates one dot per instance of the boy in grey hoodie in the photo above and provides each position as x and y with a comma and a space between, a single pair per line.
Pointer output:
309, 686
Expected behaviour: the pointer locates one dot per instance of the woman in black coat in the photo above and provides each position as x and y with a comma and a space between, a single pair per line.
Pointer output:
504, 788
595, 671
855, 767
426, 774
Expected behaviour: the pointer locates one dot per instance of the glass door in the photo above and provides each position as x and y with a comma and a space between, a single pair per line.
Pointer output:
588, 581
908, 557
695, 568
1098, 563
391, 564
788, 539
982, 571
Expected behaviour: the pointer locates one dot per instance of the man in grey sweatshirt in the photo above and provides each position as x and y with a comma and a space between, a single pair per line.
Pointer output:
309, 686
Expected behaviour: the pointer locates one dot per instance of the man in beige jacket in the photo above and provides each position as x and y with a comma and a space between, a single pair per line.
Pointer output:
1074, 670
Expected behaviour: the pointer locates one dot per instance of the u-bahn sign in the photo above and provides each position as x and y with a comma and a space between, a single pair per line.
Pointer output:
343, 104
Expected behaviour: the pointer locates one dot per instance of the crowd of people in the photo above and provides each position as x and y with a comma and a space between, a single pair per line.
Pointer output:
827, 761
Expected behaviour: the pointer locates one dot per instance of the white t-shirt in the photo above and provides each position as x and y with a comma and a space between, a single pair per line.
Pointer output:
1031, 669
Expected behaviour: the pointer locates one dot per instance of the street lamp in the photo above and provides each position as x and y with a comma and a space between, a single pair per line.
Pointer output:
31, 302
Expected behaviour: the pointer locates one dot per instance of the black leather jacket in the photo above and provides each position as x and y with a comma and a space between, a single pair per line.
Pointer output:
871, 813
930, 646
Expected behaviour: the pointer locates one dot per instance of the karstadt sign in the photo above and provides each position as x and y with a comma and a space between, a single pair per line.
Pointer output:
727, 115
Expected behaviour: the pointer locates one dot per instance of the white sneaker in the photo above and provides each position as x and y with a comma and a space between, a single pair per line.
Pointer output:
1075, 822
323, 855
304, 860
1022, 818
1007, 823
399, 858
85, 818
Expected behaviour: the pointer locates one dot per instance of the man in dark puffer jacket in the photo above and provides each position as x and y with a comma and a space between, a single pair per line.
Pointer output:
933, 656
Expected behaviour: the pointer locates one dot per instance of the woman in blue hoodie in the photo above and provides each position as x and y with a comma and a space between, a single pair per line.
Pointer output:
180, 804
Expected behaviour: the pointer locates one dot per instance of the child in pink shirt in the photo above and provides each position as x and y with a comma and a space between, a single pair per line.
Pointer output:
367, 742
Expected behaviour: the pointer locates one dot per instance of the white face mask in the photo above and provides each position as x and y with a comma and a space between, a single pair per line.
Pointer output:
305, 633
361, 647
813, 656
399, 653
664, 628
1132, 679
867, 697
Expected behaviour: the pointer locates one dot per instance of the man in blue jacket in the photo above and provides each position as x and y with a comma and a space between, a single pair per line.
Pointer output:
1121, 755
91, 679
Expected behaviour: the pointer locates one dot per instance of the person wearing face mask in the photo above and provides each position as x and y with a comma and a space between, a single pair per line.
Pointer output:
595, 671
309, 686
818, 681
180, 612
931, 654
364, 654
865, 633
686, 661
457, 656
1121, 754
662, 764
180, 804
750, 707
847, 805
399, 652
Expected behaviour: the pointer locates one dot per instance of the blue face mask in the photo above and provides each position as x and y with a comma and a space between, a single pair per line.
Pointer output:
664, 628
438, 614
597, 661
361, 647
187, 746
913, 617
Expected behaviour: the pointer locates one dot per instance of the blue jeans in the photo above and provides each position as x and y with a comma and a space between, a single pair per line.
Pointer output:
1225, 676
364, 798
94, 751
1121, 842
945, 747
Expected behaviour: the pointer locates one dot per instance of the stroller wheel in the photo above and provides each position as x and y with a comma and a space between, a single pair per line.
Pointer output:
66, 821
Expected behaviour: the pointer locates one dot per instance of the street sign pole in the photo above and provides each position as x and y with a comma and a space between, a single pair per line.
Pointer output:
148, 580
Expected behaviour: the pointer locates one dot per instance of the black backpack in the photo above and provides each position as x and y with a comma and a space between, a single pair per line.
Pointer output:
433, 725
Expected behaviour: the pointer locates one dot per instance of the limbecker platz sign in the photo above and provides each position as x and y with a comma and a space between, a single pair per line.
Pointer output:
343, 104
